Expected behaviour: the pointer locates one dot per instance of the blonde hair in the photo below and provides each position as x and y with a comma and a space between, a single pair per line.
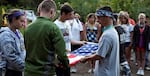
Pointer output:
77, 15
141, 14
46, 5
123, 14
90, 15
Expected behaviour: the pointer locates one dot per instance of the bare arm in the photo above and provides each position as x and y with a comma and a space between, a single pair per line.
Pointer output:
75, 42
131, 38
82, 38
91, 57
12, 55
99, 32
84, 33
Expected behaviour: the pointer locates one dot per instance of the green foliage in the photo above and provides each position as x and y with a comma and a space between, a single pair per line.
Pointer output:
5, 7
83, 7
59, 2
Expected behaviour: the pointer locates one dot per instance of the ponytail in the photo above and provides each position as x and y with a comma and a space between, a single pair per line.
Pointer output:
5, 15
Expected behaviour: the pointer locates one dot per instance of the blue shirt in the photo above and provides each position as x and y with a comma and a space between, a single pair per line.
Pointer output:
12, 49
108, 49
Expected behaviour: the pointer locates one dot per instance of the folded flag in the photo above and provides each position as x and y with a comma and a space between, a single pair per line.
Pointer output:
74, 59
85, 50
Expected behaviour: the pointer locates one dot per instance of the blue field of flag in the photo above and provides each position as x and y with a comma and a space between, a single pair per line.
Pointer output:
86, 50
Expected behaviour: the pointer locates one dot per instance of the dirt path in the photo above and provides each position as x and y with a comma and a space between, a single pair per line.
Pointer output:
82, 70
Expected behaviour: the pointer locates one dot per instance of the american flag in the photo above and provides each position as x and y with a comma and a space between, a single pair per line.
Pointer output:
85, 50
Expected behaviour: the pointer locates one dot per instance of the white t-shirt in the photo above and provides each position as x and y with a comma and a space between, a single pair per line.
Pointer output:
128, 29
66, 31
76, 28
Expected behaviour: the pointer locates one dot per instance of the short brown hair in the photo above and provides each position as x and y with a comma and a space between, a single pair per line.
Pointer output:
46, 5
66, 8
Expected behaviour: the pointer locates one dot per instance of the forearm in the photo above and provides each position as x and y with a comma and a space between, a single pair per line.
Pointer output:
94, 57
82, 36
17, 62
84, 33
99, 32
91, 57
75, 42
61, 50
12, 57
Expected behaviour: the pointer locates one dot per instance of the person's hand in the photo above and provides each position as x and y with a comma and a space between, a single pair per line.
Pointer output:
60, 65
83, 42
83, 60
96, 41
68, 51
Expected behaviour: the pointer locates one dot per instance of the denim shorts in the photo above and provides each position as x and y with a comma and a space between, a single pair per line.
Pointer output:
127, 44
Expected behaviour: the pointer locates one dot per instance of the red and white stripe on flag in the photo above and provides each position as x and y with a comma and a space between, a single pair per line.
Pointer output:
74, 59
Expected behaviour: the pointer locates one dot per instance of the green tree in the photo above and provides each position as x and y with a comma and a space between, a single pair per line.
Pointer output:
83, 7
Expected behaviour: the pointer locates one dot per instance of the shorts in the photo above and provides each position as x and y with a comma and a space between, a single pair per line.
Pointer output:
140, 49
0, 72
127, 44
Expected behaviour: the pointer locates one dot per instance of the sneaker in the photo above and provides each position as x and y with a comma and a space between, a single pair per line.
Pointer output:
73, 70
132, 59
136, 64
139, 72
147, 68
91, 71
142, 72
